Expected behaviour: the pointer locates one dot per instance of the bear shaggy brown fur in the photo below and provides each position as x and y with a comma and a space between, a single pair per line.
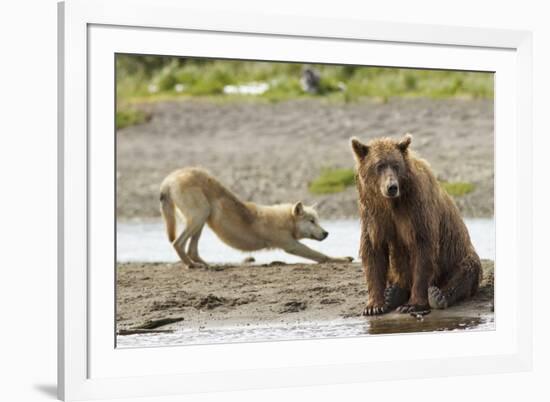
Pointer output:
415, 247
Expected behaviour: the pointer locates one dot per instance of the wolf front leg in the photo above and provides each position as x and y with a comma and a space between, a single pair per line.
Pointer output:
302, 250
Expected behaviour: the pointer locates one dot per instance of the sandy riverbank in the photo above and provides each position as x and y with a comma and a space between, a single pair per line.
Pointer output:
274, 293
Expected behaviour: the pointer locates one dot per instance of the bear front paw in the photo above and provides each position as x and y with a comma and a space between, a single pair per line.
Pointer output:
395, 296
375, 310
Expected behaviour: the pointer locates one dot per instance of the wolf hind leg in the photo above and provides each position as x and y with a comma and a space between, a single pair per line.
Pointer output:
193, 250
194, 206
180, 243
462, 285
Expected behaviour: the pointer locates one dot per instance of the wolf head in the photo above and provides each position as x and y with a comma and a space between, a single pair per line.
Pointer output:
307, 223
382, 164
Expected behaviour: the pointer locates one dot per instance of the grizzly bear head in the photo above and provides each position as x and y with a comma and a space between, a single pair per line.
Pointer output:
382, 165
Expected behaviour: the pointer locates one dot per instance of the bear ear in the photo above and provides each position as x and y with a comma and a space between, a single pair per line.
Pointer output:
359, 149
298, 209
405, 142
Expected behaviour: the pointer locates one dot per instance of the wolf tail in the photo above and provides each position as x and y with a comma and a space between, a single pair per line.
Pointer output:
168, 211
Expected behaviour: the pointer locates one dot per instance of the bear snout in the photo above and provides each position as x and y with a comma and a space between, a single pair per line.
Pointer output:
393, 190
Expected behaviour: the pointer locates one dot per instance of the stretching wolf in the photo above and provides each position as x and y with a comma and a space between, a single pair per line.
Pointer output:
246, 226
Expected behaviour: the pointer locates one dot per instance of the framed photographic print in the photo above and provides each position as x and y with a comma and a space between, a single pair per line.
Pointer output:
264, 201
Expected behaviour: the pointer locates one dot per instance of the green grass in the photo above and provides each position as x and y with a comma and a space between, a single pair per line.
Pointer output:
142, 78
457, 188
128, 117
332, 181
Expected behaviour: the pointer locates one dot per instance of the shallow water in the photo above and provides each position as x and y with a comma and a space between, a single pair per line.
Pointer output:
147, 242
307, 330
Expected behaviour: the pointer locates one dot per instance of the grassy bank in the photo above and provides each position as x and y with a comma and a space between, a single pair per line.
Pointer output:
149, 78
129, 116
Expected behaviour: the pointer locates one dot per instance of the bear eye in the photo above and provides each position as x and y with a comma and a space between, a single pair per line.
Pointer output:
380, 167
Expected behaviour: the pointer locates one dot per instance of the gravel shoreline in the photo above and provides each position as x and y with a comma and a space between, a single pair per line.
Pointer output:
269, 153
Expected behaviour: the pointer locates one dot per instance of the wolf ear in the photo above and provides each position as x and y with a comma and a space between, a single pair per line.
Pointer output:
405, 142
359, 149
298, 209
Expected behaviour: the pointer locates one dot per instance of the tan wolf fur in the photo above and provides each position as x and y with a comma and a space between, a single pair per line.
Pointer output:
246, 226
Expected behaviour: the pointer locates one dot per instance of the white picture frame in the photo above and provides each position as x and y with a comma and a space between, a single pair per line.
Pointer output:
91, 32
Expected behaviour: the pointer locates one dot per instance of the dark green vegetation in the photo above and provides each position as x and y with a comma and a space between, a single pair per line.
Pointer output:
332, 181
149, 78
128, 116
457, 188
335, 180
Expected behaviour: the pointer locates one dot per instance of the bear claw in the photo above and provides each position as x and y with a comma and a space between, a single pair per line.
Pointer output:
436, 298
375, 310
413, 308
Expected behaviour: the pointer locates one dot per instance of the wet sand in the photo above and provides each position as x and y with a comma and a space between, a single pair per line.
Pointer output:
275, 293
269, 153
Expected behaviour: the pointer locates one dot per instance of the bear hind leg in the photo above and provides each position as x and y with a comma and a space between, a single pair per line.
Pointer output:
436, 298
462, 285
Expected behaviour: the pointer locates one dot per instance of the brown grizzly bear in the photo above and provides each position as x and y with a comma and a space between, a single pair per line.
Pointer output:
415, 247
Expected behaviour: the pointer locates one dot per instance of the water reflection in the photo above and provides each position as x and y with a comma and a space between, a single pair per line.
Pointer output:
308, 330
426, 324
